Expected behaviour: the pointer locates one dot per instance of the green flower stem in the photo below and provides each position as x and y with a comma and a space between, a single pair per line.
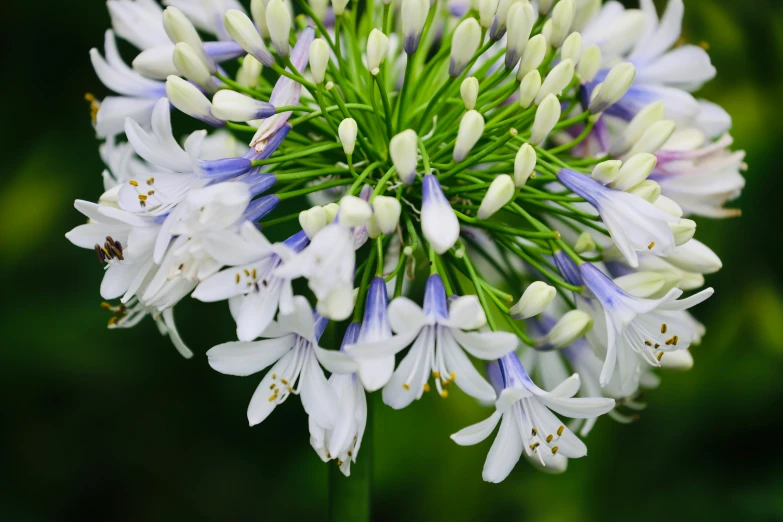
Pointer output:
381, 186
488, 225
386, 107
304, 5
279, 70
300, 154
240, 88
280, 220
330, 109
579, 139
316, 188
379, 257
477, 158
357, 185
518, 249
403, 91
425, 158
306, 174
479, 291
388, 19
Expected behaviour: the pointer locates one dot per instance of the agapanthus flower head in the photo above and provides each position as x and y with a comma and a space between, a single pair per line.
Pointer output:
434, 182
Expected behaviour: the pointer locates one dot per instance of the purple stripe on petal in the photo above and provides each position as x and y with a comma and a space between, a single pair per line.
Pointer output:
376, 318
351, 335
320, 325
435, 298
224, 169
582, 185
223, 51
495, 376
431, 192
259, 183
297, 242
259, 208
568, 268
514, 374
607, 292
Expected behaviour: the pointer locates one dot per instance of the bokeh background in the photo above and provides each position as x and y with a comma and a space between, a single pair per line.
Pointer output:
116, 426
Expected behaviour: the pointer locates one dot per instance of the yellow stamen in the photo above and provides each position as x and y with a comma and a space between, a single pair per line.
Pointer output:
664, 328
560, 430
134, 183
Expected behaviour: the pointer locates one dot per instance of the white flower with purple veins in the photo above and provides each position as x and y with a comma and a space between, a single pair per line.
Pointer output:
375, 372
251, 285
344, 439
633, 327
291, 344
635, 225
701, 176
438, 222
439, 336
526, 420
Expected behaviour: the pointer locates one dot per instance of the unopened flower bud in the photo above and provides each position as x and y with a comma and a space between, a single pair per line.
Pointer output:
465, 43
331, 209
471, 127
529, 88
589, 64
155, 63
186, 97
648, 190
249, 73
646, 284
377, 50
278, 21
535, 299
190, 65
607, 171
487, 10
683, 231
338, 6
584, 243
313, 220
520, 20
615, 85
354, 211
544, 6
497, 28
691, 281
669, 206
634, 171
347, 132
547, 116
233, 106
524, 163
404, 149
573, 325
500, 192
386, 213
681, 360
557, 80
258, 12
532, 56
414, 15
319, 59
180, 29
695, 256
469, 92
654, 137
559, 26
572, 48
241, 29
639, 125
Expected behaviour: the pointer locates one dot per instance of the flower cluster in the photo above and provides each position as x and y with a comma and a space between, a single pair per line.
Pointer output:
530, 167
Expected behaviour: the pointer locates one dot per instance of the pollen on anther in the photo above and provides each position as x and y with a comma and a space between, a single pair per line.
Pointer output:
238, 277
535, 432
150, 181
444, 394
426, 387
660, 355
674, 340
664, 328
648, 343
406, 386
554, 450
560, 430
651, 246
549, 438
134, 183
534, 446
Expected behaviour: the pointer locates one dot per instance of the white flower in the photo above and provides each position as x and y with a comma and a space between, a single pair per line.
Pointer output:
292, 346
438, 220
374, 372
527, 423
439, 337
139, 22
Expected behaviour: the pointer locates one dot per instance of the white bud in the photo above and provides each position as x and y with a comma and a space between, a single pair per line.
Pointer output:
241, 29
547, 116
524, 163
414, 15
586, 11
607, 171
487, 10
186, 97
347, 132
573, 325
258, 11
572, 48
654, 137
278, 21
560, 23
386, 213
233, 106
536, 298
404, 149
695, 256
319, 59
589, 63
468, 89
190, 65
557, 80
180, 29
647, 284
338, 6
584, 243
615, 85
500, 192
634, 171
545, 5
249, 73
669, 206
681, 360
338, 304
373, 230
648, 190
643, 120
331, 209
313, 220
532, 56
377, 50
354, 212
155, 63
683, 231
464, 44
691, 281
529, 88
471, 127
520, 20
498, 26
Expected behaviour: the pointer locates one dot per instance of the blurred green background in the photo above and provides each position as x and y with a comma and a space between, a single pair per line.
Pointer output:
116, 426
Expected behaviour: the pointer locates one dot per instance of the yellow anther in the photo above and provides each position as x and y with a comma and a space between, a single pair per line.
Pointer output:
660, 355
675, 339
142, 197
339, 463
535, 432
254, 273
704, 45
406, 386
436, 375
105, 305
444, 394
453, 376
238, 277
134, 183
112, 321
284, 381
350, 453
664, 328
560, 430
554, 450
272, 386
247, 272
534, 446
426, 387
273, 397
549, 438
648, 343
651, 245
150, 180
274, 376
